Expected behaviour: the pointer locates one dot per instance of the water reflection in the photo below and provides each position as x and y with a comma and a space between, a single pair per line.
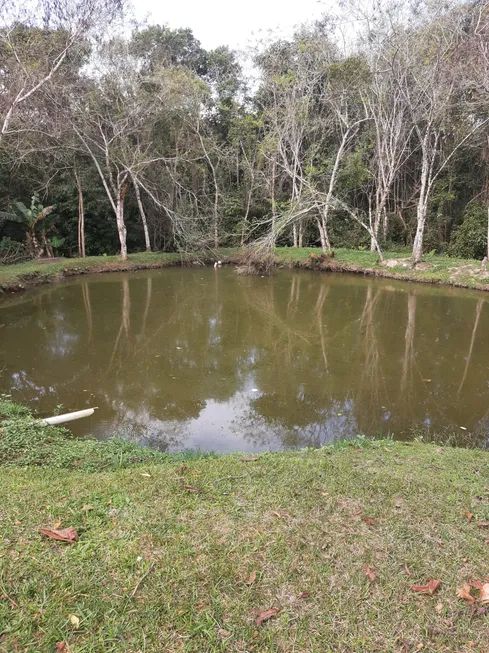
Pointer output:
202, 358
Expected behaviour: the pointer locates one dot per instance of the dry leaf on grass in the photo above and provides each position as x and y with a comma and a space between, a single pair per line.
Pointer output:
265, 615
370, 521
189, 488
430, 587
304, 595
464, 593
74, 620
63, 535
251, 579
370, 573
483, 524
61, 646
87, 508
484, 594
224, 633
476, 584
469, 515
252, 459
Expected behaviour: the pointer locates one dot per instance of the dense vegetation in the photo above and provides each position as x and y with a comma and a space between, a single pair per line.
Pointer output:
367, 129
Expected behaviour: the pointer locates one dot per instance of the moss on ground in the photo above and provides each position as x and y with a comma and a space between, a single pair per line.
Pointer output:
160, 567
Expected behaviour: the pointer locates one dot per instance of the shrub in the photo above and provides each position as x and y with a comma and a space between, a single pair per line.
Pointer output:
469, 239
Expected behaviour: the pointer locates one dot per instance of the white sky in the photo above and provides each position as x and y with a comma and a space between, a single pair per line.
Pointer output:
236, 24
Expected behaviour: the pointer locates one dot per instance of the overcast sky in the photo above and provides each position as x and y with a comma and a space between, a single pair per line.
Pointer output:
236, 24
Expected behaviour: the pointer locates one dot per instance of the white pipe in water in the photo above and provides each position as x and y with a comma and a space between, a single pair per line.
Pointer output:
68, 417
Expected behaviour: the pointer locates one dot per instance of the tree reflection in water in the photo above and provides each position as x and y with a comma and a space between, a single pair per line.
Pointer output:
202, 358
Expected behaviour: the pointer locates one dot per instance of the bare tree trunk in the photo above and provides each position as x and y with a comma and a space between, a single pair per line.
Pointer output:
142, 214
294, 234
324, 243
46, 246
272, 195
385, 225
418, 240
301, 232
424, 192
121, 225
81, 217
488, 232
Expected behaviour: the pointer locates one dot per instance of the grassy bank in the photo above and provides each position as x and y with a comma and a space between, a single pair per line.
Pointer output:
463, 273
19, 276
185, 557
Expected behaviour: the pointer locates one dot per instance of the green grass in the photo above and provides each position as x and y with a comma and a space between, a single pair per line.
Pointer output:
25, 441
159, 568
464, 273
36, 272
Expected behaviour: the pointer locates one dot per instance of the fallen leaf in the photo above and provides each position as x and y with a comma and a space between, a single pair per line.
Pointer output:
476, 584
17, 523
398, 503
201, 605
249, 460
147, 475
427, 380
107, 503
464, 593
430, 588
439, 608
407, 570
370, 521
87, 507
63, 535
251, 579
61, 646
469, 515
57, 525
281, 514
304, 595
370, 573
484, 594
189, 488
266, 615
464, 428
483, 524
224, 633
74, 620
419, 647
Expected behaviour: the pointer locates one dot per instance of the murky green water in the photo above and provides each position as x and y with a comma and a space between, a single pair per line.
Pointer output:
203, 358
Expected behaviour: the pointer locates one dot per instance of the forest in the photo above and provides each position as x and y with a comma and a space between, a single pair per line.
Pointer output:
368, 129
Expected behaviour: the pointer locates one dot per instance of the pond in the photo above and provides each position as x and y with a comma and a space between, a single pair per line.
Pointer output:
201, 358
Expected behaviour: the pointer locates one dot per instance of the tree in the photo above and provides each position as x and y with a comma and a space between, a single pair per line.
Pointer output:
37, 40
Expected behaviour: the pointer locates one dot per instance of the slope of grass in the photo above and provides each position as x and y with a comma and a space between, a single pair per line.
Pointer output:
161, 567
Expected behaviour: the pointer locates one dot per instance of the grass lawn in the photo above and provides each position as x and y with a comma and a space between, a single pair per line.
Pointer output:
160, 567
433, 269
